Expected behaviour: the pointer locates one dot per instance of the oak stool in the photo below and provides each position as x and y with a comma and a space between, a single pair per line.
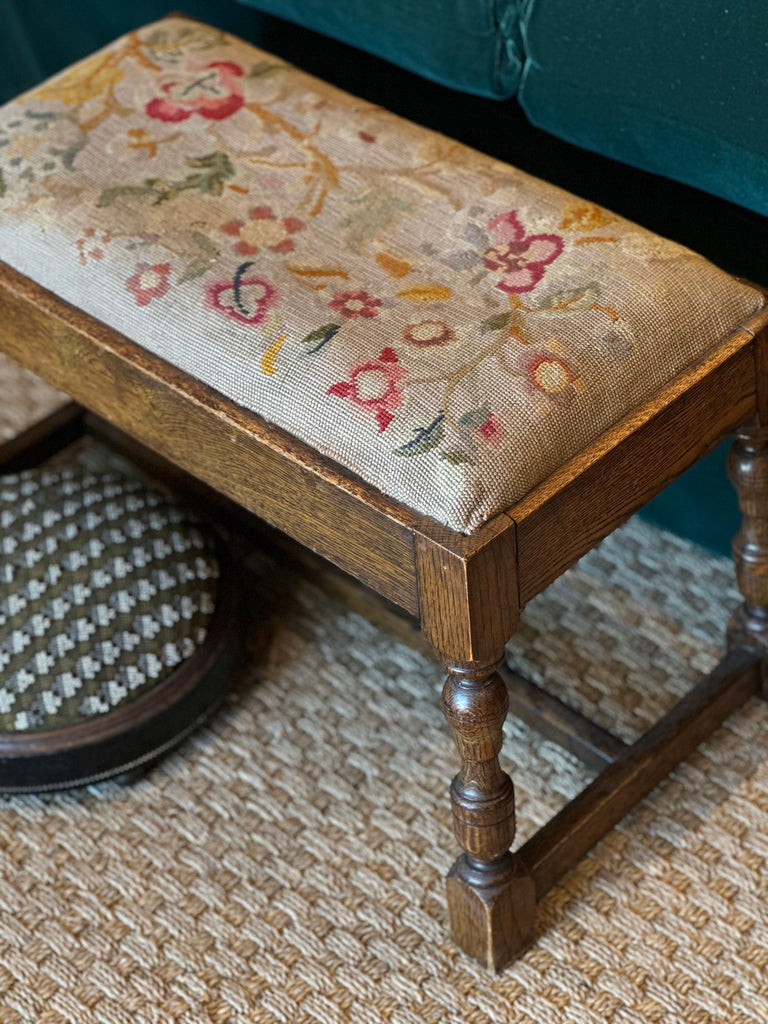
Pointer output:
445, 376
113, 643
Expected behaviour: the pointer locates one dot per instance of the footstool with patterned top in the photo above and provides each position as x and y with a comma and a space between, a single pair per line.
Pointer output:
113, 643
447, 377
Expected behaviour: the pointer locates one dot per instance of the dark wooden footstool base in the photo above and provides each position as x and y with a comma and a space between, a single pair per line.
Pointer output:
133, 737
136, 734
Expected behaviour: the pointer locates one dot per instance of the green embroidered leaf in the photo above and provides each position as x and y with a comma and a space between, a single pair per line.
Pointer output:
378, 211
44, 118
496, 322
69, 154
212, 171
475, 418
195, 268
109, 195
215, 169
457, 458
2, 184
319, 338
566, 303
263, 68
170, 45
206, 257
425, 438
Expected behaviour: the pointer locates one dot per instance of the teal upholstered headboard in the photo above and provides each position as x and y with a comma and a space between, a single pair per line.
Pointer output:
20, 65
472, 45
676, 87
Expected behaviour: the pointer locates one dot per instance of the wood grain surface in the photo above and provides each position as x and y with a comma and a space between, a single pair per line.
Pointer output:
563, 841
468, 589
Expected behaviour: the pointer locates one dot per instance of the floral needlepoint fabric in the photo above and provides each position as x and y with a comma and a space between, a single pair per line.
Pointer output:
442, 324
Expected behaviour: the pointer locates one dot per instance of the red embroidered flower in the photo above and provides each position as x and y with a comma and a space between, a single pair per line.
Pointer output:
354, 304
374, 385
149, 282
245, 299
492, 430
263, 230
212, 91
519, 259
428, 333
550, 374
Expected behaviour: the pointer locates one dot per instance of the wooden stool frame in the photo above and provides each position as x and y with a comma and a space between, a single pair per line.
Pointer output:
467, 591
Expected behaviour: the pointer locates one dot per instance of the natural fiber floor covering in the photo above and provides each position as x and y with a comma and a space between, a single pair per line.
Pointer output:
286, 865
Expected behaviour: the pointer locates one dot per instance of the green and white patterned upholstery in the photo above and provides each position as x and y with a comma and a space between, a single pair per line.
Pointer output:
106, 588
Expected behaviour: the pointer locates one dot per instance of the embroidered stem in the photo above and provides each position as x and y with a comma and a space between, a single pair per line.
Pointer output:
239, 274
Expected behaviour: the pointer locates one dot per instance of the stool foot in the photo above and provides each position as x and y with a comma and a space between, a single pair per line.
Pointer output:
748, 471
492, 909
491, 898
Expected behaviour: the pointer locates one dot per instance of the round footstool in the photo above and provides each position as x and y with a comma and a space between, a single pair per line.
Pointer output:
117, 627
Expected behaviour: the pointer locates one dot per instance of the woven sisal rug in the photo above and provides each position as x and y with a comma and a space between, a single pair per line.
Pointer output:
286, 865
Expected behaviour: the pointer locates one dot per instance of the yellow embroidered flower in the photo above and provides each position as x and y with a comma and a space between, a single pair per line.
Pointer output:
583, 216
86, 81
646, 246
550, 373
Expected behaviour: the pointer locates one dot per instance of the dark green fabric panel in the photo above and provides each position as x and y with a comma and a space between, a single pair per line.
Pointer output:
38, 38
472, 45
677, 88
19, 63
701, 505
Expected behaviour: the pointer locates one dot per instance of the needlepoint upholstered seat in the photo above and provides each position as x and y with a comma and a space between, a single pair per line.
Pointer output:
446, 376
446, 326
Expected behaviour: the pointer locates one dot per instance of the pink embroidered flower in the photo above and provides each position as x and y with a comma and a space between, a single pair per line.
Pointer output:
212, 91
92, 245
244, 299
375, 385
354, 304
550, 374
149, 282
519, 259
492, 430
263, 230
428, 333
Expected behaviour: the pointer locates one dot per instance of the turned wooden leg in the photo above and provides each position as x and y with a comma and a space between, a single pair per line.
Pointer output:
748, 470
491, 899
